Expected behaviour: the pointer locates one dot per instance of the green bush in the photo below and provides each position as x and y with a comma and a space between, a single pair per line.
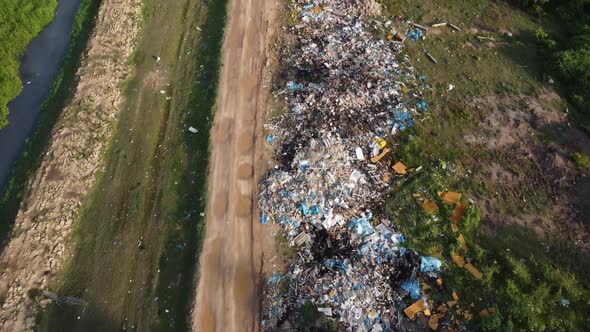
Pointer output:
581, 160
20, 22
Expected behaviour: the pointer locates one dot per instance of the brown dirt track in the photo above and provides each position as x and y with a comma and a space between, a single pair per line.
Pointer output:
231, 261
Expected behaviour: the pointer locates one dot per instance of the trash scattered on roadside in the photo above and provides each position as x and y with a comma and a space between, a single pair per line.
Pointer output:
193, 130
347, 91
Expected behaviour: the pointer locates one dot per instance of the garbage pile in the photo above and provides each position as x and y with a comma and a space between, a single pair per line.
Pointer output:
347, 89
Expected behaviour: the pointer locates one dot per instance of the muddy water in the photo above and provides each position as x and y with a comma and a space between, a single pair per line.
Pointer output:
40, 63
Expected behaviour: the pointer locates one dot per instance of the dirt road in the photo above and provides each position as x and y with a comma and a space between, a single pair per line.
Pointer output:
227, 295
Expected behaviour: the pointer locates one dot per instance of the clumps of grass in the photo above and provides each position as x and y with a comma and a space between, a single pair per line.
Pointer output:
581, 160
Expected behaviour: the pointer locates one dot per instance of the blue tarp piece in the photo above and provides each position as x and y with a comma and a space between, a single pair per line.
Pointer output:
429, 264
364, 224
308, 7
422, 106
294, 86
270, 138
315, 209
357, 286
401, 239
304, 209
412, 287
414, 34
330, 263
422, 77
275, 278
264, 218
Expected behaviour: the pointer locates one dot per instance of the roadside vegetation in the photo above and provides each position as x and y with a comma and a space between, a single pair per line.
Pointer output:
60, 92
504, 53
140, 230
20, 21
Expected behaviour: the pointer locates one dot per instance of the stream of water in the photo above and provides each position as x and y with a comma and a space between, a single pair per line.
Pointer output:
40, 64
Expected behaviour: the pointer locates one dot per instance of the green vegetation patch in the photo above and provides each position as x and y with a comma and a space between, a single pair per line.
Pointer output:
534, 284
20, 22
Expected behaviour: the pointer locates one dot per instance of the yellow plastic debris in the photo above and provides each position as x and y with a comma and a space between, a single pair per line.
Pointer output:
458, 260
450, 304
375, 159
380, 142
433, 322
417, 195
332, 292
473, 270
450, 197
462, 243
455, 296
427, 312
415, 308
399, 168
429, 207
439, 281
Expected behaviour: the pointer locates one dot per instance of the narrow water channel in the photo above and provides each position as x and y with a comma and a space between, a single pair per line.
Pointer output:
40, 64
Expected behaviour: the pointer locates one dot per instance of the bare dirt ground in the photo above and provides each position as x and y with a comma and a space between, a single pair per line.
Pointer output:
39, 242
533, 144
231, 261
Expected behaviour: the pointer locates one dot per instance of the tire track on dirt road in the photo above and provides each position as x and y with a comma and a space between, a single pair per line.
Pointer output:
228, 294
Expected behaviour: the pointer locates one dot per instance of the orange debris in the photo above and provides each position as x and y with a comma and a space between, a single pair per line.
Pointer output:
399, 168
427, 312
458, 213
439, 281
458, 260
429, 207
375, 159
433, 322
450, 304
316, 9
417, 195
415, 308
487, 312
473, 270
462, 243
450, 197
455, 296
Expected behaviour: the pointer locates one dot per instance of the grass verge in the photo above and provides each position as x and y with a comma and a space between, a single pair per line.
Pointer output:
21, 22
534, 284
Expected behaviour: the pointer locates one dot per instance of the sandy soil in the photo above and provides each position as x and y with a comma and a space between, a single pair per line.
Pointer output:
231, 261
39, 244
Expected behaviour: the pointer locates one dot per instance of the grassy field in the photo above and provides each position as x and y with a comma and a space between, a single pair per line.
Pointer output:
20, 21
494, 55
140, 231
60, 92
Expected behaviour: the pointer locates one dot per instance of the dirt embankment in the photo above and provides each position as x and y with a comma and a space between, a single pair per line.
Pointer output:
39, 243
230, 264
